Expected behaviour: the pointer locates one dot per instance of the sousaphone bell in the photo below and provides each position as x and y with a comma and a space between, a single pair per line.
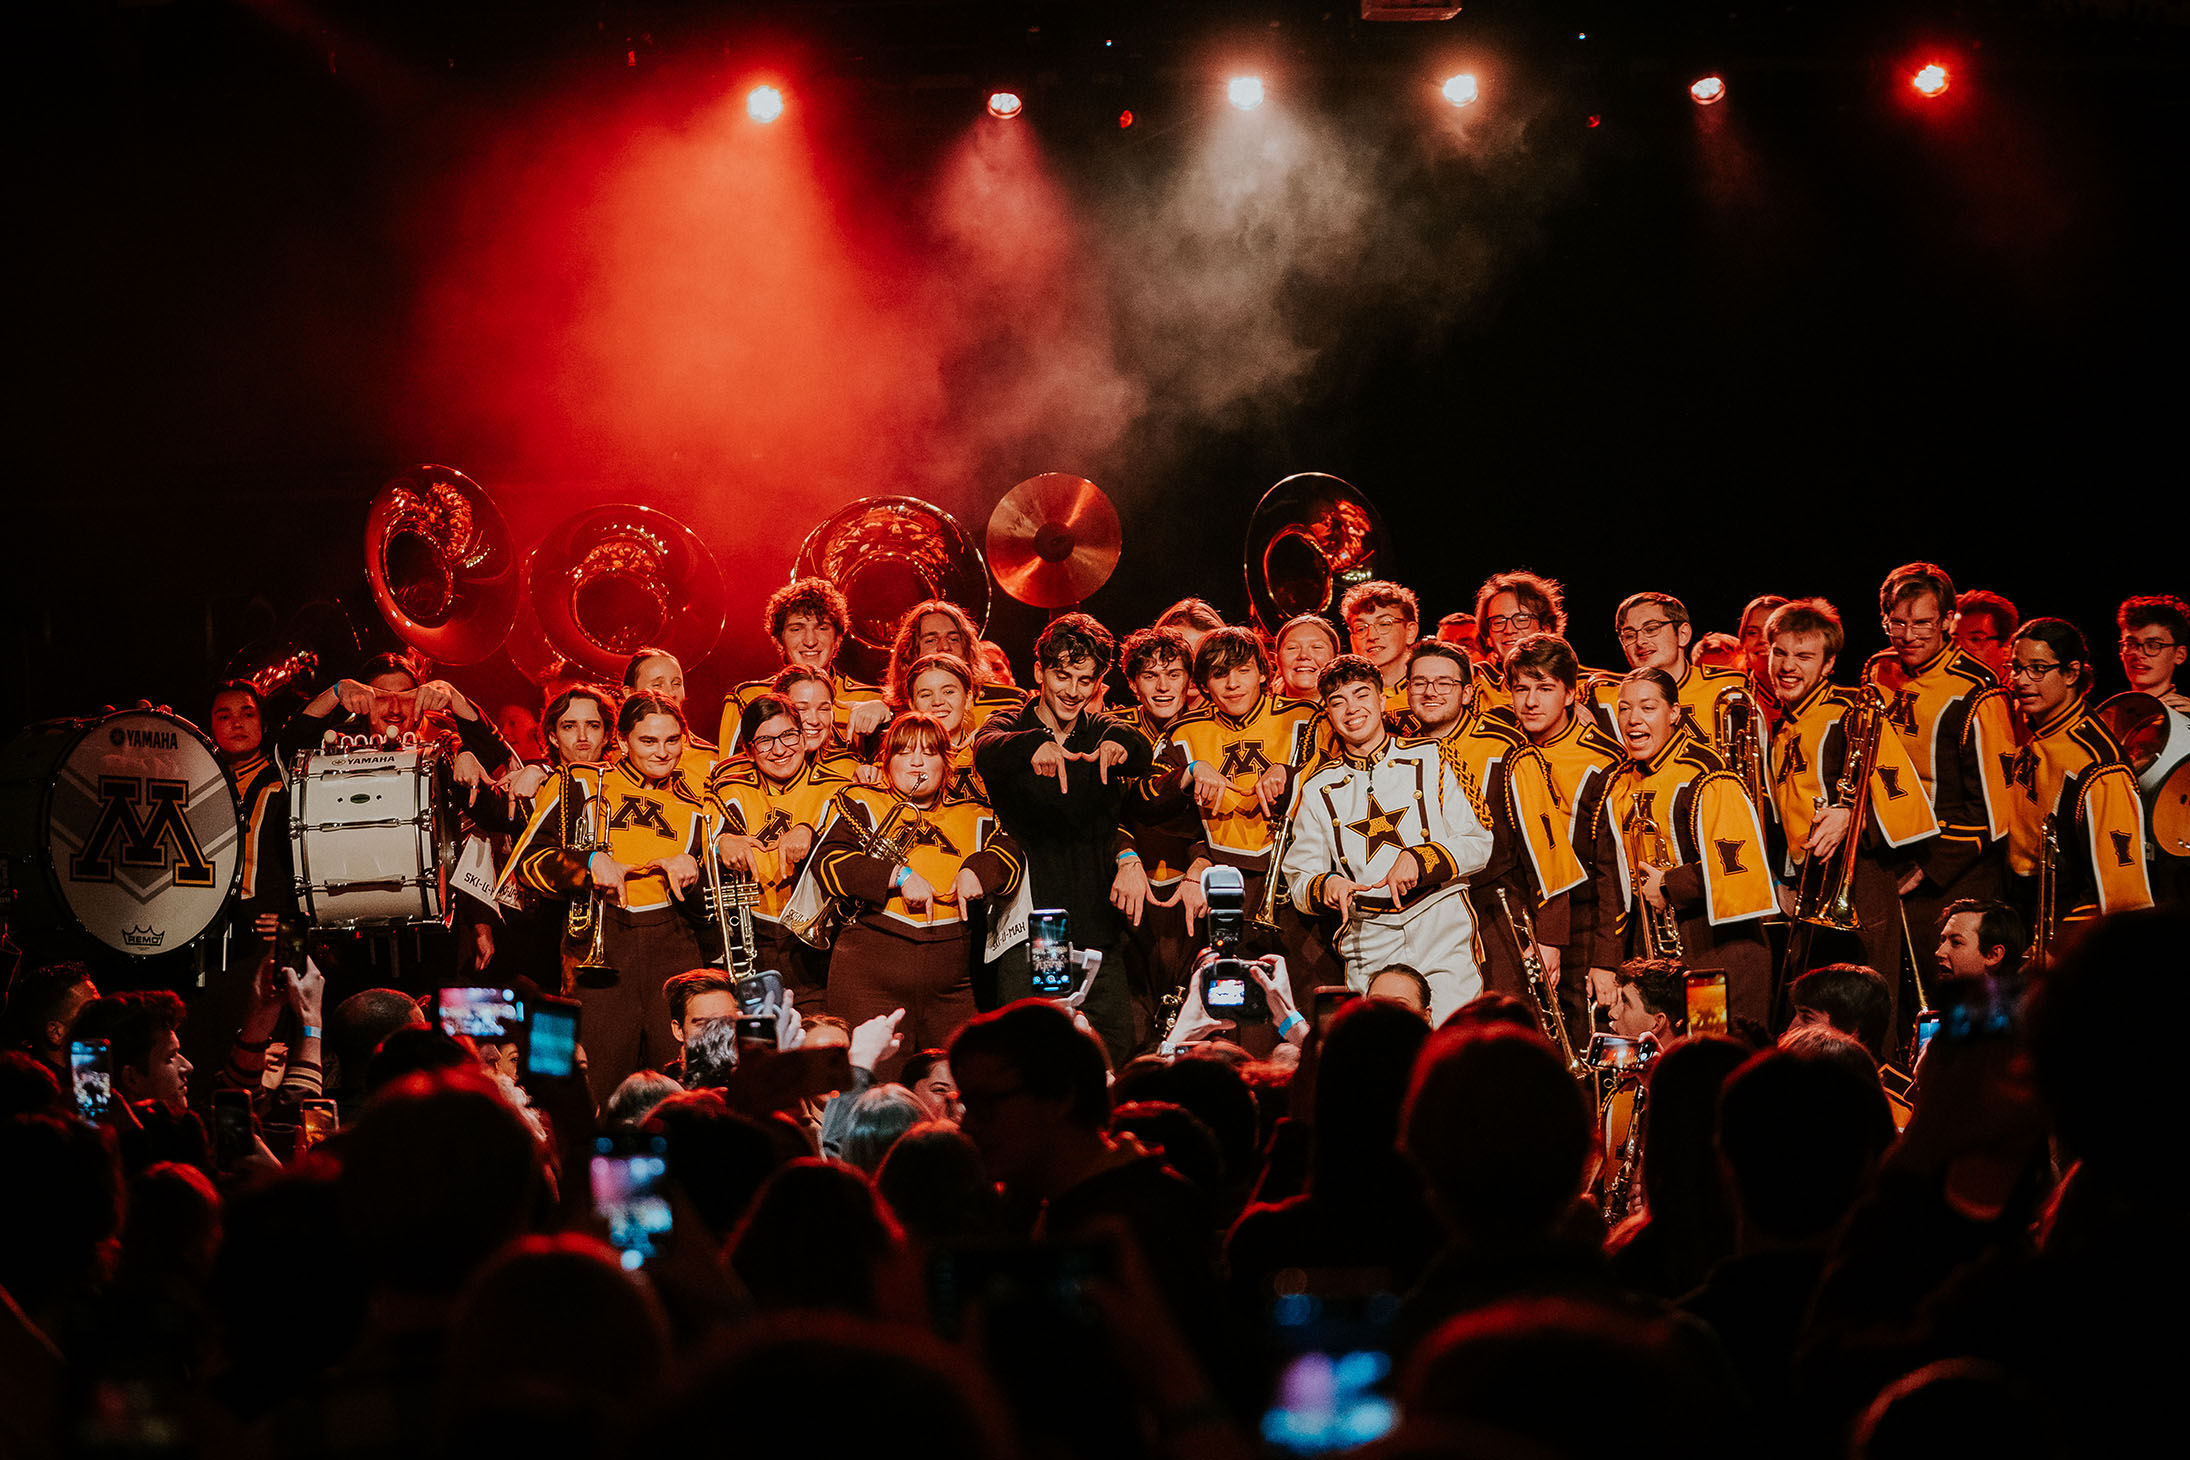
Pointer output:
442, 567
613, 580
1312, 537
886, 554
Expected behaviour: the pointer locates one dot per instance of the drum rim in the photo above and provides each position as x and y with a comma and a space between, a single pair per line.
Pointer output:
432, 881
84, 727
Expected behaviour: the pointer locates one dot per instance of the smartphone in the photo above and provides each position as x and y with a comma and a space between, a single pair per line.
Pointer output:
231, 1127
1332, 1357
92, 1078
289, 947
1230, 990
1981, 1010
756, 1031
758, 991
1618, 1052
1927, 1026
628, 1175
1329, 999
1049, 953
481, 1013
551, 1044
320, 1119
1707, 1002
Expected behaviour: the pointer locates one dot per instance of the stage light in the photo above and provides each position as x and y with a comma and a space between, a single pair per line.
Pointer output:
764, 104
1125, 119
1707, 90
1930, 79
1461, 90
1244, 92
1004, 105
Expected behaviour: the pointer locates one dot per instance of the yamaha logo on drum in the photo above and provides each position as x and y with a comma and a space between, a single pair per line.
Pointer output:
143, 937
142, 739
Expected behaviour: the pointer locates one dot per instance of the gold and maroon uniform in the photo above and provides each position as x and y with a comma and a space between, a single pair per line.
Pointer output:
749, 803
1274, 732
2071, 769
1946, 713
1700, 690
846, 692
1583, 760
1161, 827
264, 797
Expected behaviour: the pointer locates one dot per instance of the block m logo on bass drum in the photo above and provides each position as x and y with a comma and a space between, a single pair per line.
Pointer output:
161, 835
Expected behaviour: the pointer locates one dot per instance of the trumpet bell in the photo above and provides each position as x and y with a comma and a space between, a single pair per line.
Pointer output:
441, 564
1312, 537
613, 580
886, 554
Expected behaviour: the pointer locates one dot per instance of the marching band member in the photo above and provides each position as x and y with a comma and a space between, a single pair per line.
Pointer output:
1756, 646
1508, 608
1304, 644
938, 626
1811, 746
2155, 642
1950, 714
774, 800
809, 620
811, 696
577, 727
1509, 782
656, 672
909, 946
1195, 620
1654, 632
1152, 889
387, 702
1985, 629
238, 730
2068, 768
655, 824
1690, 866
1384, 837
1461, 629
942, 685
1382, 620
1544, 679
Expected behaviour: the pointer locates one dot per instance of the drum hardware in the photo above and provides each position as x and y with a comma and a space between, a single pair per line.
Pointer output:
1053, 540
886, 554
343, 865
1311, 537
2155, 741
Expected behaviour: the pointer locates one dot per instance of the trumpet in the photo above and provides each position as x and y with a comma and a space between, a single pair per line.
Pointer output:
1825, 896
811, 915
1661, 927
2049, 891
583, 835
1738, 727
730, 899
1548, 1013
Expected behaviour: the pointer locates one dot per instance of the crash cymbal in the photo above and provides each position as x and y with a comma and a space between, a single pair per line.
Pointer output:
1053, 540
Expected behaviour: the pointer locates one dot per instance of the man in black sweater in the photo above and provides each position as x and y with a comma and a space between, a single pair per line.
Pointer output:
1058, 774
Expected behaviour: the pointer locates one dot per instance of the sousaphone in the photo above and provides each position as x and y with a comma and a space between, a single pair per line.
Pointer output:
442, 567
612, 580
886, 554
1312, 537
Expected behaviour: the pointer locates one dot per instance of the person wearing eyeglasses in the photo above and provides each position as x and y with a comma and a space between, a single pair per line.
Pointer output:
1984, 627
2155, 642
1382, 620
1508, 608
1654, 632
2071, 769
1509, 784
1950, 713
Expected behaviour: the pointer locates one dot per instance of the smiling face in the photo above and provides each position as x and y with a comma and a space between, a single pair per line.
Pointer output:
1646, 719
236, 729
654, 746
1301, 655
939, 633
942, 694
1382, 634
1161, 689
1068, 688
1799, 663
1437, 693
1542, 704
778, 744
661, 676
808, 640
1651, 640
1506, 621
1917, 629
394, 708
816, 712
1756, 645
1356, 711
1236, 689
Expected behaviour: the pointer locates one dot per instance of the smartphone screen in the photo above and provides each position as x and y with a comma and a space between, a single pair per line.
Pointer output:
481, 1013
289, 949
627, 1195
88, 1073
1614, 1052
756, 1031
1049, 953
231, 1127
1334, 1366
1707, 1002
1927, 1025
1329, 1000
552, 1047
320, 1119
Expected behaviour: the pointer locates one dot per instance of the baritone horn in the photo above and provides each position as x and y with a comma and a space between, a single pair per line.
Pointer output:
1739, 730
578, 817
1825, 897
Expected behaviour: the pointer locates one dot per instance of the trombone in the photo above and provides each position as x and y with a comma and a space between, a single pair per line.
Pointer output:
1549, 1015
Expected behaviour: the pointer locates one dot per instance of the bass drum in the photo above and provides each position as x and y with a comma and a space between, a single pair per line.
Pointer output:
126, 826
374, 835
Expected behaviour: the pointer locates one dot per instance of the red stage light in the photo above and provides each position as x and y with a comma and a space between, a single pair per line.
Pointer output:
1244, 92
1708, 90
1594, 119
1930, 79
1004, 105
764, 104
1461, 90
1125, 119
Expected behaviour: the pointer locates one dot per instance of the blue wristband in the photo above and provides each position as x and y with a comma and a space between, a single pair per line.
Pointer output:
1129, 855
897, 878
1286, 1028
308, 1031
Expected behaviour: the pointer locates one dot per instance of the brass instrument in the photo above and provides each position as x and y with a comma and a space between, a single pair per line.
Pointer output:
1824, 898
1661, 927
1312, 537
2049, 891
1549, 1016
1738, 727
578, 819
612, 580
1281, 836
442, 565
730, 897
813, 917
1619, 1192
886, 554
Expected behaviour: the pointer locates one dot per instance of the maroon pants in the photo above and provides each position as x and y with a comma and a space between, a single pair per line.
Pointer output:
626, 1026
873, 971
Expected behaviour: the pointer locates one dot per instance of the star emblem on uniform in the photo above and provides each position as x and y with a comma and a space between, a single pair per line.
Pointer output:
1380, 828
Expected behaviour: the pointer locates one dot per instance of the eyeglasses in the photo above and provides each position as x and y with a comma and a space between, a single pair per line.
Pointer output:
1514, 621
1435, 686
787, 739
1382, 624
1898, 628
1628, 636
2031, 672
2148, 648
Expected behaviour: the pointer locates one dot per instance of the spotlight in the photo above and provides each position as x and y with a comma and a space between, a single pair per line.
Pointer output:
1004, 105
1244, 92
1707, 90
764, 104
1125, 119
1461, 90
1930, 79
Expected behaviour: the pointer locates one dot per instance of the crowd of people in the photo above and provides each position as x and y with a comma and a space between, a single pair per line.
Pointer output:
1355, 1038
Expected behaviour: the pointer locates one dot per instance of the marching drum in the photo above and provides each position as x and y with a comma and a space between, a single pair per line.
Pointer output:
375, 835
2155, 740
125, 825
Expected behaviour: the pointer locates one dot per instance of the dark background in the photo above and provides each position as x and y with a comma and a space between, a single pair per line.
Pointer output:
1780, 346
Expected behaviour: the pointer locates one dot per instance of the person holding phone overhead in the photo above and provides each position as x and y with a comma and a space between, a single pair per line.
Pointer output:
914, 859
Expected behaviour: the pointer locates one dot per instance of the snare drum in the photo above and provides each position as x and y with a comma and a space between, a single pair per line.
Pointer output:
125, 825
374, 833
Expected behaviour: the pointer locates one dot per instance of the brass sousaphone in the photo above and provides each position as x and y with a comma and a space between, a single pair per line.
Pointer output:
886, 554
441, 564
612, 580
1312, 537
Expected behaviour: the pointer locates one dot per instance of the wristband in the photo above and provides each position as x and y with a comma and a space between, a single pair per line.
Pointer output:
1129, 855
897, 878
1285, 1028
308, 1031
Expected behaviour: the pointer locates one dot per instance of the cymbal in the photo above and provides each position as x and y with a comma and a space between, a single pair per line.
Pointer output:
1053, 540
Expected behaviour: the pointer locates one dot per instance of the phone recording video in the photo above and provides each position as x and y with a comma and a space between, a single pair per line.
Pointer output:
1333, 1365
92, 1078
1707, 1002
551, 1044
1927, 1028
628, 1176
290, 949
756, 1032
1049, 953
319, 1118
1230, 990
1618, 1052
481, 1013
232, 1134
